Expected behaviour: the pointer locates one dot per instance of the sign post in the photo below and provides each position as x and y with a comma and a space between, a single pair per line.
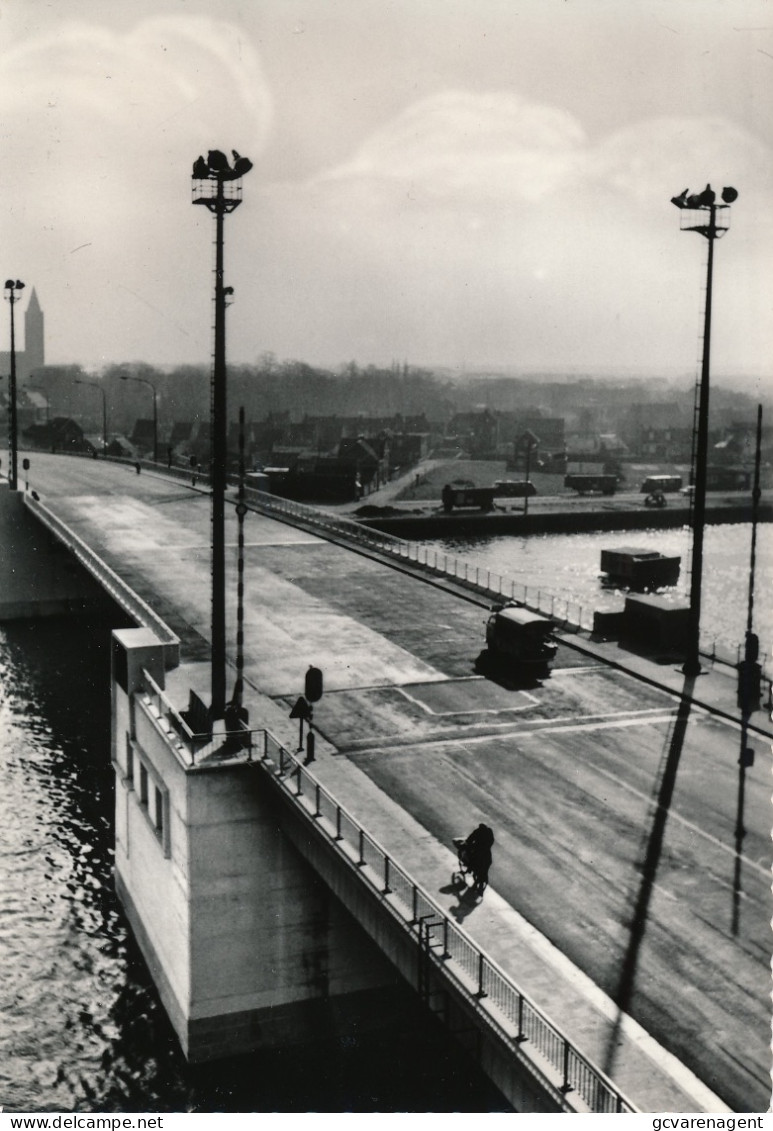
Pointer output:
301, 711
313, 695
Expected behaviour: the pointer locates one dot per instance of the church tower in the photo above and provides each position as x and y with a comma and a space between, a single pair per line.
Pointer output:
34, 337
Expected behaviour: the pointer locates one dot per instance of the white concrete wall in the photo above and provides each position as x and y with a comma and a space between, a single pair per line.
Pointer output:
265, 930
152, 867
247, 945
241, 935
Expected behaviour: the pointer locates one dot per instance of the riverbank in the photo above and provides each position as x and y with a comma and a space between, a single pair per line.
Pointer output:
420, 524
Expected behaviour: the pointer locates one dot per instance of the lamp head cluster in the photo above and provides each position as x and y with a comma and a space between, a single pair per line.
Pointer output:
215, 166
705, 199
11, 286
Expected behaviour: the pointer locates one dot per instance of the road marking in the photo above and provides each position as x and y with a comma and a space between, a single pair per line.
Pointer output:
284, 544
470, 740
630, 721
478, 711
581, 670
645, 714
729, 849
381, 743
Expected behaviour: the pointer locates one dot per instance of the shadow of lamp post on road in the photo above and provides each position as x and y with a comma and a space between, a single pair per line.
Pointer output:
749, 680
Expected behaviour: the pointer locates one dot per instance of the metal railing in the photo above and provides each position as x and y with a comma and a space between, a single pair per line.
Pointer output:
571, 615
195, 748
499, 1002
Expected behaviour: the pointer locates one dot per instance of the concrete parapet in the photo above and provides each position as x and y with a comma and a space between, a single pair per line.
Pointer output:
247, 946
113, 585
37, 576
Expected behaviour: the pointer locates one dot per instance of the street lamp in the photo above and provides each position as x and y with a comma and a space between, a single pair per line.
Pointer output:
11, 291
145, 381
530, 443
94, 385
217, 185
700, 213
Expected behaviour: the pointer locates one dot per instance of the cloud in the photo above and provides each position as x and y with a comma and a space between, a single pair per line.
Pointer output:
477, 225
486, 227
458, 144
193, 71
462, 148
99, 134
641, 159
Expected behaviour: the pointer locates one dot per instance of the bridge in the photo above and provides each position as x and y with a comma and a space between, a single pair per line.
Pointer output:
618, 960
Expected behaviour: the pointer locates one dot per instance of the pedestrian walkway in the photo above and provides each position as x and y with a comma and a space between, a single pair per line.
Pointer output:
648, 1075
651, 1077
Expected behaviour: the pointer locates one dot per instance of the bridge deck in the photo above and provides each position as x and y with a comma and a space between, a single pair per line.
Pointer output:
590, 899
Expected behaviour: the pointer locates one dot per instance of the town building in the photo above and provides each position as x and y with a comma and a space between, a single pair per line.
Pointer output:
33, 356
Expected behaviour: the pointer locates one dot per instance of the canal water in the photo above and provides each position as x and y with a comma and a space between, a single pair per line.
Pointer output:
81, 1027
567, 567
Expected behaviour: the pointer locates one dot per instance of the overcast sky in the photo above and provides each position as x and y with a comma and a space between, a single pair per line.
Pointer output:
469, 183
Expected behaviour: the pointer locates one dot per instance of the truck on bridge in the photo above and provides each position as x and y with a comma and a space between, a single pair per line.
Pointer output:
520, 638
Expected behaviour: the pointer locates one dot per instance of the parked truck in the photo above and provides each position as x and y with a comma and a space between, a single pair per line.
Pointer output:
591, 484
480, 498
662, 483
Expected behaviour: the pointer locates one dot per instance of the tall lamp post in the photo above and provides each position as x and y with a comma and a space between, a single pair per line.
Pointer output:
217, 185
94, 385
701, 213
11, 290
145, 381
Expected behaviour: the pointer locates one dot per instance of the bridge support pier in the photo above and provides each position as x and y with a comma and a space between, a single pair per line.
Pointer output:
247, 946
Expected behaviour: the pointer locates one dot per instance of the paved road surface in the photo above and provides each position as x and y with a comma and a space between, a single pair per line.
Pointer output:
568, 773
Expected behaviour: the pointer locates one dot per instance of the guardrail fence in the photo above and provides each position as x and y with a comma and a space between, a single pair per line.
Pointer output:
500, 1003
571, 615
